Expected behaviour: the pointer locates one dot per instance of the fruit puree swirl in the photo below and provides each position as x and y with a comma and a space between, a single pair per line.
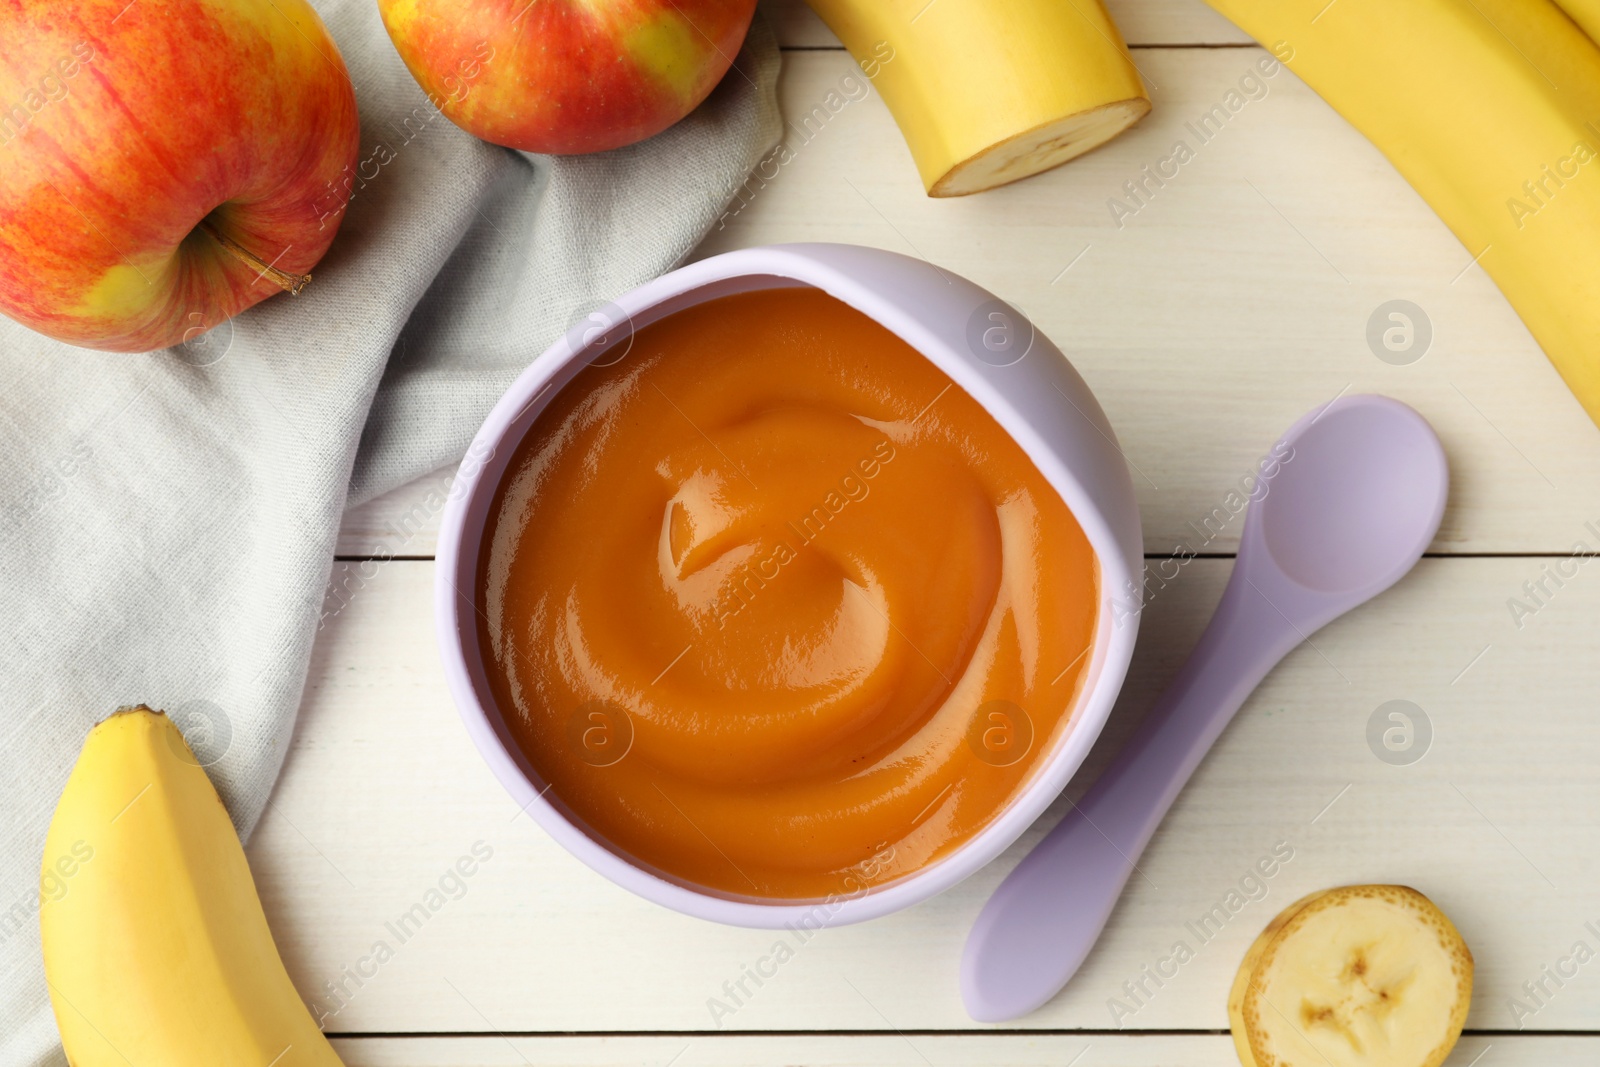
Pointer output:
775, 608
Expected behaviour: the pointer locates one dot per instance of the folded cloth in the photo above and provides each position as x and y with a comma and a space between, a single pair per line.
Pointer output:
167, 521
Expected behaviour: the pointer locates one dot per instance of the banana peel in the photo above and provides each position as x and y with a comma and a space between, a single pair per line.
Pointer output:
1586, 13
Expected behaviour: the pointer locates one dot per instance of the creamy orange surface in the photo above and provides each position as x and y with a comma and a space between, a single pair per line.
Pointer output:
776, 608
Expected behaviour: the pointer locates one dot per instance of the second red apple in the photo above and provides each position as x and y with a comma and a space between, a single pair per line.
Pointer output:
567, 76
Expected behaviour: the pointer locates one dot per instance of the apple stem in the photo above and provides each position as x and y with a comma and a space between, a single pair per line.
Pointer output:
289, 283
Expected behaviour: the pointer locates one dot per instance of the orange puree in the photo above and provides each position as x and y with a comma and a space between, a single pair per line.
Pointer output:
775, 608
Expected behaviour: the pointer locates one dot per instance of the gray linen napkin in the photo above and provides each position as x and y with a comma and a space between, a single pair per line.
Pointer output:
167, 522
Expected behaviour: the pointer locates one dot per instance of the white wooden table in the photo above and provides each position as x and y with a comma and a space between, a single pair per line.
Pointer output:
1235, 299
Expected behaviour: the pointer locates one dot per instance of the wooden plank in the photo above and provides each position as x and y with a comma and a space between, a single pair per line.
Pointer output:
1143, 22
398, 524
1146, 23
1234, 300
918, 1050
382, 795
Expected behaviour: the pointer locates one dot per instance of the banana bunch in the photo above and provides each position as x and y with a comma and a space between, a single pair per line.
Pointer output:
1491, 110
1361, 976
157, 951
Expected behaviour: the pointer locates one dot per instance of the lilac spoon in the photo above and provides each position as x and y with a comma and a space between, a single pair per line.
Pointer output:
1347, 513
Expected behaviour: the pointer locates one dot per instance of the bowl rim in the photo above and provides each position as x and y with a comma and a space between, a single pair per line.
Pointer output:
1110, 651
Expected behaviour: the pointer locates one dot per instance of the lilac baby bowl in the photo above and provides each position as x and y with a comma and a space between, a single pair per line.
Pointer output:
989, 350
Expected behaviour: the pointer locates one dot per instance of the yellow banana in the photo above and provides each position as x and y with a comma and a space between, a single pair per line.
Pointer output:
1586, 13
1489, 109
1360, 976
987, 92
156, 949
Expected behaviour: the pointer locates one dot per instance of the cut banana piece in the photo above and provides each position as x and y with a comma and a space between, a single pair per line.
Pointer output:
990, 91
1360, 976
156, 949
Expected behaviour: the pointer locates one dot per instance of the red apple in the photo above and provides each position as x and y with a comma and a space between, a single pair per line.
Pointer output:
166, 163
567, 76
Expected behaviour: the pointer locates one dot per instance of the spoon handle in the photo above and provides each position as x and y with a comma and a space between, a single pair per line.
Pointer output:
1040, 924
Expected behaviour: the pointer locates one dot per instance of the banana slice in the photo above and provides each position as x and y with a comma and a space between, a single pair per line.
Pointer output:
1360, 976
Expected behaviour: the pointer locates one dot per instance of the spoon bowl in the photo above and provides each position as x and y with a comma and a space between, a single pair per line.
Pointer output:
1360, 500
